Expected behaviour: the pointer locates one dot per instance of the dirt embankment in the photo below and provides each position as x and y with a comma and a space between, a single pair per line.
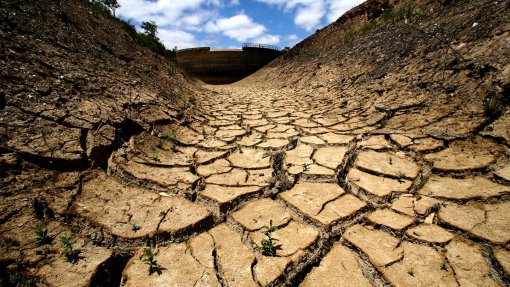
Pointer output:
74, 83
435, 67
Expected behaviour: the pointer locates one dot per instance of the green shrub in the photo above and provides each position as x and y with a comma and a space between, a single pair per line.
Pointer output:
151, 43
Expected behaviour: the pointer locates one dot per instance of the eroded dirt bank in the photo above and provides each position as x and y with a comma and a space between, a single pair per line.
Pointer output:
381, 161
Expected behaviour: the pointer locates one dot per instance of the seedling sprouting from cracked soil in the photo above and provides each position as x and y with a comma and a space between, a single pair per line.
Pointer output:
152, 262
268, 246
135, 227
411, 272
18, 263
306, 166
445, 265
401, 177
42, 235
171, 138
161, 142
71, 254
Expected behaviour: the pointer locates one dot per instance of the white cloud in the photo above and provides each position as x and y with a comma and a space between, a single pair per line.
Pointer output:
181, 22
292, 37
239, 27
268, 39
189, 14
181, 39
309, 14
291, 40
338, 8
136, 9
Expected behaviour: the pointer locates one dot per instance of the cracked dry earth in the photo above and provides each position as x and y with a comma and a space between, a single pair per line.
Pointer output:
353, 206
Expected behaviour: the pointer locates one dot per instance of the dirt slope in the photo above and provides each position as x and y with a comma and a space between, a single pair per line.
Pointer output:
441, 69
70, 76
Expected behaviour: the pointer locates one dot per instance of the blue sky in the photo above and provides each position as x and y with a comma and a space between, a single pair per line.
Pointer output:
229, 23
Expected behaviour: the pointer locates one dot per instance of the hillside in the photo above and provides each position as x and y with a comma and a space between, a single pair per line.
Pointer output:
374, 153
71, 75
437, 69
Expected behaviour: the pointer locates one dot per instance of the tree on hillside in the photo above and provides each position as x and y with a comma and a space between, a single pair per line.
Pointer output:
149, 39
150, 28
112, 4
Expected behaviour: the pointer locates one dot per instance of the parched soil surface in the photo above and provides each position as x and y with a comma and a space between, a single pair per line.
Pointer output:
350, 207
293, 177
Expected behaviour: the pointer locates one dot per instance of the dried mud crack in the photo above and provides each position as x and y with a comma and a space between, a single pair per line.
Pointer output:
374, 221
314, 171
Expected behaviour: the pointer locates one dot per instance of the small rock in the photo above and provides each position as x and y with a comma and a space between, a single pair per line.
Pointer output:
430, 218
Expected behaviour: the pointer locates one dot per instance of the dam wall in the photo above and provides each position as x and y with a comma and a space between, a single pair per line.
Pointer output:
225, 66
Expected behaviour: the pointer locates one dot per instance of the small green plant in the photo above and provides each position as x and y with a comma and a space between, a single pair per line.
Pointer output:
151, 261
173, 139
161, 142
18, 263
411, 272
401, 177
445, 265
306, 166
348, 37
42, 235
170, 138
268, 246
71, 254
397, 14
155, 158
139, 141
367, 27
193, 101
135, 227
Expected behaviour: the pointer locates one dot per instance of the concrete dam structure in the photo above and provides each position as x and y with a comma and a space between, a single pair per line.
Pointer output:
225, 66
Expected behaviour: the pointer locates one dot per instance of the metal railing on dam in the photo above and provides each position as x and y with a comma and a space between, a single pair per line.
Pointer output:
262, 46
223, 66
